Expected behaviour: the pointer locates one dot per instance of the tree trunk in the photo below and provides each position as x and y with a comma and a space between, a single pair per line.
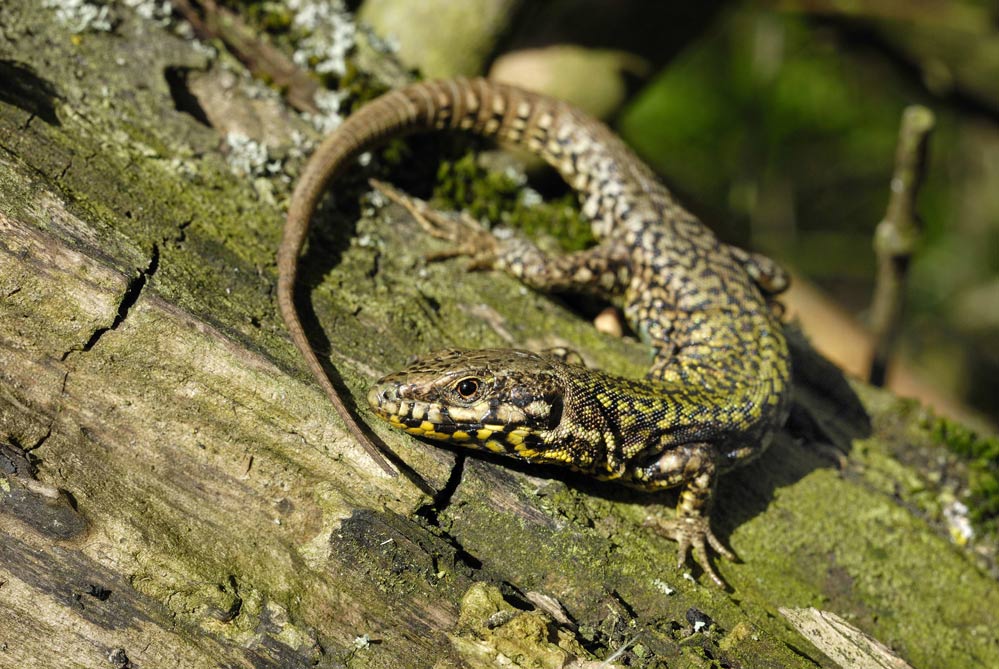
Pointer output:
175, 490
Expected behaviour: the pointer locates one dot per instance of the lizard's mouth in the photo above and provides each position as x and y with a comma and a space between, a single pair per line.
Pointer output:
396, 401
434, 420
384, 398
390, 402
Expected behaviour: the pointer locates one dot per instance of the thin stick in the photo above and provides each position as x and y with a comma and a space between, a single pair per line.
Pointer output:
896, 236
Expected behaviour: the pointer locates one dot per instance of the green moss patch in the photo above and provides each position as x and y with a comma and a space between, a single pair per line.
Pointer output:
499, 197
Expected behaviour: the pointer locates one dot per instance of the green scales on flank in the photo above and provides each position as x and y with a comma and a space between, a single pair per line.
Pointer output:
718, 388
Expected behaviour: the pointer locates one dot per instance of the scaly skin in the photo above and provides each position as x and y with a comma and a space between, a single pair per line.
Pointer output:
718, 387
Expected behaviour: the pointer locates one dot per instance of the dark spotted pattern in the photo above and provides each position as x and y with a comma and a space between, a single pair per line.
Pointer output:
718, 387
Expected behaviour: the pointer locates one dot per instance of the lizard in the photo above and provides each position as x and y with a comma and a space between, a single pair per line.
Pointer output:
718, 388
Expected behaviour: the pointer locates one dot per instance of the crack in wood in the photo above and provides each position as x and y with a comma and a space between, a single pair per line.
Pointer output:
128, 299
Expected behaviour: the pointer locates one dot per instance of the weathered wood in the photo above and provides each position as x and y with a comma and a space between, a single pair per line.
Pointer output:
174, 489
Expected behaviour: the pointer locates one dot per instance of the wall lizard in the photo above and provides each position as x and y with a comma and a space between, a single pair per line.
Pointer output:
718, 387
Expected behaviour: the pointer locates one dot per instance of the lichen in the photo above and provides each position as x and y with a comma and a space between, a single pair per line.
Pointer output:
94, 16
247, 157
81, 16
491, 632
326, 35
158, 11
329, 103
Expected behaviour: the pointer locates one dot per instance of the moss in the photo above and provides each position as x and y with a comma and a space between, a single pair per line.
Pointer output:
491, 630
864, 557
561, 536
938, 467
270, 17
498, 197
362, 86
981, 454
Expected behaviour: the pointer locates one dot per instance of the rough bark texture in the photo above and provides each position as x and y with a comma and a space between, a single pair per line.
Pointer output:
175, 491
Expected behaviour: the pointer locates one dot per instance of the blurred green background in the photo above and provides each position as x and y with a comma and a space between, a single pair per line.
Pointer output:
781, 126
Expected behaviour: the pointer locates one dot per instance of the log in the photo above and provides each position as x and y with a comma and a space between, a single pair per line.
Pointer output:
175, 491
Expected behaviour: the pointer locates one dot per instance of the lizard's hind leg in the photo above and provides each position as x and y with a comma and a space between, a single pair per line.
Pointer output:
695, 467
766, 273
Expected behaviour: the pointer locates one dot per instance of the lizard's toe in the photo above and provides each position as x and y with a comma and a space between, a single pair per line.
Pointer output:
693, 534
469, 237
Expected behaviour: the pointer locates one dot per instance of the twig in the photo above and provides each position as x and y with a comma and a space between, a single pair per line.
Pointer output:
265, 61
896, 236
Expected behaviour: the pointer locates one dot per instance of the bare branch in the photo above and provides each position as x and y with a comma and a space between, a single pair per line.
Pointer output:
896, 236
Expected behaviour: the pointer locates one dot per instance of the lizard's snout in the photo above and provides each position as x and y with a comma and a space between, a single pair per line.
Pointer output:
388, 397
382, 394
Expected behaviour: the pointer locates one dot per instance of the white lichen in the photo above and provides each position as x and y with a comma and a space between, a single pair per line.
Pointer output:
371, 203
245, 156
515, 174
80, 16
956, 515
377, 199
328, 119
185, 167
301, 146
663, 587
158, 11
530, 197
329, 33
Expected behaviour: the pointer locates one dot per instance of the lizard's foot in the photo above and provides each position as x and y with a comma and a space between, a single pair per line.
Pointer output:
692, 533
468, 236
567, 355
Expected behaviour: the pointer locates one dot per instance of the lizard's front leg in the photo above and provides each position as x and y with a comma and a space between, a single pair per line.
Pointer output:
604, 269
694, 466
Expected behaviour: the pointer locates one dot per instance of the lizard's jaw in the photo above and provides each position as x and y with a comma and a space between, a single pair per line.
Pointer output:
463, 426
390, 402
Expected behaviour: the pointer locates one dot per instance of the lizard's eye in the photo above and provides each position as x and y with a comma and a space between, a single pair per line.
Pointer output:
467, 388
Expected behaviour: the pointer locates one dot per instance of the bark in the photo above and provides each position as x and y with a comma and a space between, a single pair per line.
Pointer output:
175, 491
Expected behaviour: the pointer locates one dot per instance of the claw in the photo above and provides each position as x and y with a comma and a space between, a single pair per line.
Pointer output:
446, 254
480, 263
469, 237
693, 534
433, 222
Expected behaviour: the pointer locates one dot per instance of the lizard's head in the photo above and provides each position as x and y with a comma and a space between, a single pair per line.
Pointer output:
498, 399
